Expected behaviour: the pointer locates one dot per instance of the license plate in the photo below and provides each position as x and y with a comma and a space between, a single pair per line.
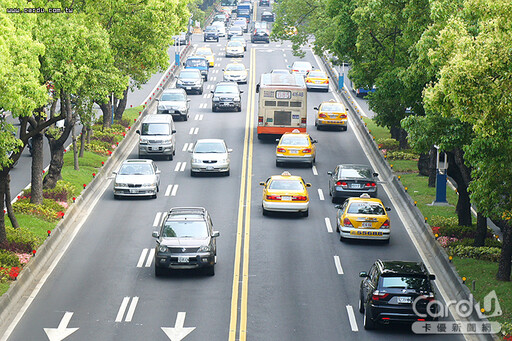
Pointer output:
287, 198
134, 191
188, 87
225, 104
366, 233
294, 151
355, 186
333, 116
403, 299
182, 259
209, 168
367, 225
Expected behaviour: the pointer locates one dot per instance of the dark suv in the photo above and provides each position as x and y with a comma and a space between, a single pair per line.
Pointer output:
394, 292
226, 96
186, 240
260, 34
211, 33
264, 2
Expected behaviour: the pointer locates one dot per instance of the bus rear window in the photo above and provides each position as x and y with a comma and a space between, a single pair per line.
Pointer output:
270, 103
282, 117
294, 104
282, 103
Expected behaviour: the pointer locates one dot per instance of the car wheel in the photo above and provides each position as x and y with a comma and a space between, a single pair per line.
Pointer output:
227, 173
201, 91
185, 118
342, 239
278, 164
206, 78
337, 226
210, 271
305, 213
265, 212
367, 322
361, 306
192, 173
345, 128
159, 271
153, 196
170, 157
116, 196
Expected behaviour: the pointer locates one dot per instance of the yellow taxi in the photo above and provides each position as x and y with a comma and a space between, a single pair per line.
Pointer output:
317, 80
290, 30
363, 218
331, 114
235, 72
296, 147
207, 53
285, 193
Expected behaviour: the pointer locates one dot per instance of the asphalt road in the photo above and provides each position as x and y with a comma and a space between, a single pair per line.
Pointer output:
280, 277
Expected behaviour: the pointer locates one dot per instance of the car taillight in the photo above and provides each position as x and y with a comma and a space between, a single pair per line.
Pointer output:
379, 295
260, 119
307, 150
299, 198
429, 298
295, 70
303, 120
370, 184
341, 183
281, 150
322, 115
347, 223
273, 197
308, 80
386, 223
343, 116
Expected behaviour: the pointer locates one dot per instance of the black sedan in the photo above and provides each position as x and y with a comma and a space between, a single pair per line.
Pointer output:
351, 181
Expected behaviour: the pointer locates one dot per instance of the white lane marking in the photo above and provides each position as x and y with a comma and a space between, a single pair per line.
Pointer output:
205, 95
337, 262
62, 331
219, 59
328, 224
122, 309
196, 130
142, 257
209, 86
202, 116
179, 332
183, 165
185, 147
209, 95
321, 194
151, 256
286, 60
315, 171
157, 218
214, 78
352, 318
202, 106
177, 168
174, 190
167, 191
191, 131
191, 147
131, 310
197, 115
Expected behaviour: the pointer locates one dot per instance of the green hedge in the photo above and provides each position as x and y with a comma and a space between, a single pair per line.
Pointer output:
483, 253
8, 259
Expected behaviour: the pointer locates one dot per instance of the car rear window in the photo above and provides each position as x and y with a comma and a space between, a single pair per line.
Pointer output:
333, 107
354, 173
136, 169
196, 63
319, 74
286, 185
155, 129
210, 147
294, 141
235, 67
185, 229
365, 207
404, 282
172, 97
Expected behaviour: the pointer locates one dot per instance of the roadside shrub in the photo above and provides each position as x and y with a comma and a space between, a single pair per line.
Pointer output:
506, 330
440, 221
49, 210
401, 155
24, 238
483, 253
98, 147
63, 191
8, 259
389, 144
103, 136
446, 241
489, 242
123, 122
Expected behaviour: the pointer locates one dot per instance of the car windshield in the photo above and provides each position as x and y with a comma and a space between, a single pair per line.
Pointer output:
196, 63
365, 207
318, 74
211, 29
172, 97
185, 229
235, 43
302, 65
238, 38
203, 52
286, 185
236, 29
404, 282
155, 129
333, 107
189, 74
226, 89
235, 67
294, 141
355, 173
210, 147
136, 169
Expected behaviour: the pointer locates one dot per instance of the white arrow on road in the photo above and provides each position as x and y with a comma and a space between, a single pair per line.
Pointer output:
62, 331
179, 332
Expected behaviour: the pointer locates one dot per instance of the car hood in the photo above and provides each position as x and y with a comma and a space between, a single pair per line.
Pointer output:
210, 156
135, 179
235, 73
184, 242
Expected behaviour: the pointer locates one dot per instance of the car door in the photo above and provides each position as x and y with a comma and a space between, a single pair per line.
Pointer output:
369, 284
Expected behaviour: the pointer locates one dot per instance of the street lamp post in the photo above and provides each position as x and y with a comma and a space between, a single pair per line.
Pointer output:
441, 170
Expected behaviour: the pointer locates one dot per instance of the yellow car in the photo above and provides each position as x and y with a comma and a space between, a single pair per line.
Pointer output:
296, 147
235, 72
363, 218
207, 53
317, 80
290, 30
331, 114
285, 193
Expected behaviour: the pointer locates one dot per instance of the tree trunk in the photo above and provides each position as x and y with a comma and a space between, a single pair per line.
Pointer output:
82, 141
402, 139
121, 105
106, 108
481, 229
460, 173
37, 170
8, 205
88, 137
3, 180
423, 164
75, 150
432, 167
506, 252
463, 207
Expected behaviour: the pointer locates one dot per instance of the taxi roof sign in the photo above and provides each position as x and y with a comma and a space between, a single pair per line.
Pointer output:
286, 173
295, 131
365, 196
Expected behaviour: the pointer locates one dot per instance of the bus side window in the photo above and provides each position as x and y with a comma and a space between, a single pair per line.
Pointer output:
257, 87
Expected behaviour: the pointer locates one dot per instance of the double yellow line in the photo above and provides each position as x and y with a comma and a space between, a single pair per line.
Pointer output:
244, 220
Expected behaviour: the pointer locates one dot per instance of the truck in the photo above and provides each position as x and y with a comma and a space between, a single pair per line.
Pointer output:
244, 10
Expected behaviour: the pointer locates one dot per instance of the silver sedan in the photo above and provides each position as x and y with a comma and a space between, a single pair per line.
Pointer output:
210, 156
137, 178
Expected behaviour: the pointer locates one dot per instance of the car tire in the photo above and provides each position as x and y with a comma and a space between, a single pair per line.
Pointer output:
206, 78
386, 241
337, 226
170, 157
185, 118
265, 212
159, 271
305, 213
192, 174
361, 305
239, 109
342, 239
367, 322
201, 91
214, 108
210, 271
117, 197
153, 196
278, 164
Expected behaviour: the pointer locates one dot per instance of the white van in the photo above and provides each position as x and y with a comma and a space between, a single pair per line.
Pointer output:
157, 136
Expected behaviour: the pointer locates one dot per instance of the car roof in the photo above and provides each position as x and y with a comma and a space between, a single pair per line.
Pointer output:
156, 118
286, 177
184, 213
397, 268
172, 90
209, 140
354, 166
197, 57
358, 199
131, 161
295, 133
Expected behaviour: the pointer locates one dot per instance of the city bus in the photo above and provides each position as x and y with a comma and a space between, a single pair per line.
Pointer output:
282, 104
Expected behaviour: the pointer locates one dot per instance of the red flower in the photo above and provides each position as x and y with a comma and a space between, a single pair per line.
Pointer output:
15, 271
435, 229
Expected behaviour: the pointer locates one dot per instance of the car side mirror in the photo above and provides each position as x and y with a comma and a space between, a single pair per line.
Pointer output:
314, 141
156, 234
308, 185
262, 184
114, 173
315, 108
183, 64
241, 91
375, 174
432, 277
329, 173
137, 131
158, 171
230, 150
257, 87
223, 69
388, 208
363, 274
157, 99
188, 100
212, 91
215, 234
173, 131
337, 206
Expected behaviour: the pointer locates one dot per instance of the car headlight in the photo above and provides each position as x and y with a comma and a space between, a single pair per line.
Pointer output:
162, 248
236, 99
204, 248
196, 161
166, 141
120, 184
215, 99
143, 141
149, 184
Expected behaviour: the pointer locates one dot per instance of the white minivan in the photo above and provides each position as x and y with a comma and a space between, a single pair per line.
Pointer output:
157, 136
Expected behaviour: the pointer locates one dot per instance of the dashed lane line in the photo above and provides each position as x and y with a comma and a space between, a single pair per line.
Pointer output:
337, 263
328, 224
